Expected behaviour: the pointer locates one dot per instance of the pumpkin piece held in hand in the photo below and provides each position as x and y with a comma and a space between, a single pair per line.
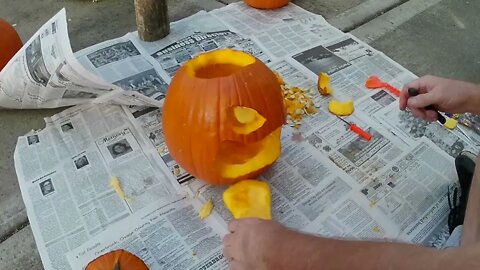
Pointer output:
223, 116
10, 43
249, 199
267, 4
117, 260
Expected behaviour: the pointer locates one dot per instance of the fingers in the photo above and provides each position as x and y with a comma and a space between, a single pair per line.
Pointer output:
424, 84
235, 265
427, 115
422, 100
228, 247
232, 226
403, 98
431, 116
419, 84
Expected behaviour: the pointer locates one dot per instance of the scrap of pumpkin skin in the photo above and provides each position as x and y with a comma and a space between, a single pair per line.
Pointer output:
249, 199
324, 86
341, 108
115, 184
206, 210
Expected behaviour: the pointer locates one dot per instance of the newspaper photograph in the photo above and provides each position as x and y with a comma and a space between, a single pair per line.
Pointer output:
167, 235
45, 73
66, 174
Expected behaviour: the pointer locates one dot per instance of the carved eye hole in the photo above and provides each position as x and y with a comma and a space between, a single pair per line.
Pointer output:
245, 120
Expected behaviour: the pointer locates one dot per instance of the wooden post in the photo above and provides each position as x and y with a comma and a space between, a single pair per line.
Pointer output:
152, 19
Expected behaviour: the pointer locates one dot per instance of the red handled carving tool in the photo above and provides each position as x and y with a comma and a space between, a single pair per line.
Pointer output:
356, 129
373, 82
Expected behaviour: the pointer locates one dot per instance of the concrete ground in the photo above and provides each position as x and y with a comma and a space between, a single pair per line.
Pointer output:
426, 36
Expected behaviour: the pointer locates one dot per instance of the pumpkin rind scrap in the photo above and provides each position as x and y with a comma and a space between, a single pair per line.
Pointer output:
118, 259
223, 115
10, 43
324, 86
267, 4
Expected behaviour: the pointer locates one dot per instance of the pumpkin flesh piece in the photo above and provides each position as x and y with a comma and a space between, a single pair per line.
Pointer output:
239, 159
249, 199
324, 86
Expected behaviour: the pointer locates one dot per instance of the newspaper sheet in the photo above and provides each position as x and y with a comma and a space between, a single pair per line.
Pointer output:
409, 129
166, 235
281, 31
196, 34
45, 73
125, 65
65, 175
328, 181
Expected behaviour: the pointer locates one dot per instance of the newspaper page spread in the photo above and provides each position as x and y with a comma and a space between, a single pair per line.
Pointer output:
166, 235
281, 31
45, 73
125, 65
327, 181
197, 34
65, 175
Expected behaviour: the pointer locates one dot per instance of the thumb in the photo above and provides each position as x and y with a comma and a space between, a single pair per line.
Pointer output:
422, 100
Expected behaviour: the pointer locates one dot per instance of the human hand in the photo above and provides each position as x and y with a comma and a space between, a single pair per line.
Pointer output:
445, 94
254, 243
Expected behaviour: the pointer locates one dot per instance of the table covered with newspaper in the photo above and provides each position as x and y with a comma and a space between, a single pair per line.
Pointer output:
328, 181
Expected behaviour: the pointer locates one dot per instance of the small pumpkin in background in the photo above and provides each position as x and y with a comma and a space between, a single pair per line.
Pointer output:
10, 43
117, 260
223, 115
267, 4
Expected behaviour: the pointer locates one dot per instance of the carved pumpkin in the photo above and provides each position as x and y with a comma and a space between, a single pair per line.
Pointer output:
223, 115
267, 4
10, 43
117, 260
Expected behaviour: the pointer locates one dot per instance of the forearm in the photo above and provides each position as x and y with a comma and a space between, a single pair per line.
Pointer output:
473, 105
310, 252
471, 226
337, 254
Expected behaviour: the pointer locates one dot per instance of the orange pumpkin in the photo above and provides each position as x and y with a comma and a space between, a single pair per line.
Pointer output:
223, 115
267, 4
10, 43
117, 260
